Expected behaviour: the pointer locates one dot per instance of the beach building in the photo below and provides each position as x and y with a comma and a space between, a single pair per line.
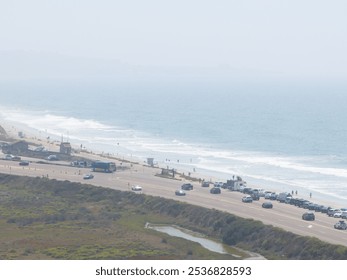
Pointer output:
150, 161
65, 148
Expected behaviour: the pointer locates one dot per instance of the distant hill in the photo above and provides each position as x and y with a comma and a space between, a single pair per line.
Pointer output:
3, 134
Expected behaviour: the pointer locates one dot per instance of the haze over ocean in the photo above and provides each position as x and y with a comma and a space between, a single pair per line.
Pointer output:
254, 88
275, 136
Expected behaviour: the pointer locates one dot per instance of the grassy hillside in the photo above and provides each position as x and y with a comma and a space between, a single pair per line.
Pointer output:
50, 219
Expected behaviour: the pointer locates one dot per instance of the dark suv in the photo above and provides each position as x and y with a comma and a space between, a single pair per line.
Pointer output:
255, 196
187, 187
308, 216
215, 190
267, 205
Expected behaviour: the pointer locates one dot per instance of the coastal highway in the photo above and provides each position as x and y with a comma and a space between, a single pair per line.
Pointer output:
285, 216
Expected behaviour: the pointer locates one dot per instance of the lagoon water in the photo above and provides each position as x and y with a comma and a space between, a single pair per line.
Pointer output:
204, 242
282, 137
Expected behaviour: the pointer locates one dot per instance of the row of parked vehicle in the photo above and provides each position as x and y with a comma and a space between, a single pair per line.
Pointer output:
284, 197
331, 212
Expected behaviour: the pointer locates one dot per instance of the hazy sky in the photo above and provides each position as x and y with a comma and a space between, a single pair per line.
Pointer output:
301, 39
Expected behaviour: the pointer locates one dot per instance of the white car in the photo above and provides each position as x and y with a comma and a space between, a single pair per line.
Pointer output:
52, 157
180, 192
337, 214
88, 176
136, 188
247, 199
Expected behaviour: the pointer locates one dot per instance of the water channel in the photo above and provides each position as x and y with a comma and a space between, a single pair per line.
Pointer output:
196, 237
189, 235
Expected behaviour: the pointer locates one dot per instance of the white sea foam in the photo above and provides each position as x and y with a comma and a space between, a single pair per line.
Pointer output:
313, 174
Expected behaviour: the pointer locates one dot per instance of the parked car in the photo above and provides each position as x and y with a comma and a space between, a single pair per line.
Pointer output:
259, 191
324, 209
337, 214
344, 215
332, 211
300, 202
267, 195
320, 208
79, 163
39, 149
255, 196
205, 184
180, 192
308, 216
218, 184
215, 190
24, 163
8, 157
52, 157
306, 205
247, 199
313, 206
187, 187
341, 225
271, 196
267, 205
136, 188
247, 190
88, 176
283, 196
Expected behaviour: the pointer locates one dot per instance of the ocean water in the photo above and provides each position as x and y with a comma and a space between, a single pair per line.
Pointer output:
275, 136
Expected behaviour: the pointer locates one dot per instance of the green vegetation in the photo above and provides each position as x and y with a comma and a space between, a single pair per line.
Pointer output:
50, 219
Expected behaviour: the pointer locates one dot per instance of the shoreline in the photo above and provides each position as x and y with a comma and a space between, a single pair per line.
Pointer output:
52, 144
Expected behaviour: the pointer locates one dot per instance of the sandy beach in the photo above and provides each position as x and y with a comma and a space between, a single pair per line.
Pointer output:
133, 163
132, 173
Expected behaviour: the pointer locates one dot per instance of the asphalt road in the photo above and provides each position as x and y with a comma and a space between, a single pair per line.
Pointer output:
281, 215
